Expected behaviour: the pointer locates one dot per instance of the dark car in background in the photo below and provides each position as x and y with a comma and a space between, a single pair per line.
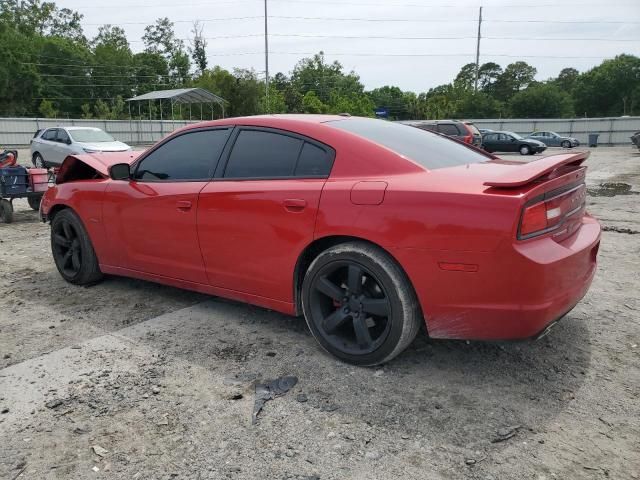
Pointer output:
635, 139
464, 131
552, 139
511, 142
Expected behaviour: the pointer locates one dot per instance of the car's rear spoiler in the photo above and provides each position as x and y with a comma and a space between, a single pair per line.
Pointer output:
526, 173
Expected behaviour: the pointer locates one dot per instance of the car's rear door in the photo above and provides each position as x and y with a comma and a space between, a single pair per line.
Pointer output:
259, 212
151, 219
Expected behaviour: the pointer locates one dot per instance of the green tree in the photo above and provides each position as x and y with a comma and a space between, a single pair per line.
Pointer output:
312, 104
541, 100
160, 38
610, 89
198, 47
391, 98
516, 76
47, 110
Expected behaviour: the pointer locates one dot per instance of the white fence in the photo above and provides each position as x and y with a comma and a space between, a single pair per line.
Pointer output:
18, 131
613, 131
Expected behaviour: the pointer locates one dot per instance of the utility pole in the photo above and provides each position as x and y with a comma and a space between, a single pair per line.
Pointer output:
475, 85
266, 59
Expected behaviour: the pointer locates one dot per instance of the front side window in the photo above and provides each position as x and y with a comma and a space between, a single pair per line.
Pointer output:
50, 134
62, 136
190, 156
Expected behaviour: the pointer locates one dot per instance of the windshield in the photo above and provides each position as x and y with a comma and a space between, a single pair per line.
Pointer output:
515, 135
426, 148
89, 135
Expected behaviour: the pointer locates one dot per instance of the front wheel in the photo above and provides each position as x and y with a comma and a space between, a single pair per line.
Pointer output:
72, 250
359, 304
565, 144
38, 161
525, 150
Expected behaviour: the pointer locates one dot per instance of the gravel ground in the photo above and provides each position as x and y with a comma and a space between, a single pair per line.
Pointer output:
131, 380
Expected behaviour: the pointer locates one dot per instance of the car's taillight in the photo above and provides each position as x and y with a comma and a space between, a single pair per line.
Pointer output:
468, 139
547, 215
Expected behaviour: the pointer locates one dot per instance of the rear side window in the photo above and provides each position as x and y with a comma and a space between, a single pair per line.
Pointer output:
425, 148
313, 162
448, 129
190, 156
427, 126
50, 134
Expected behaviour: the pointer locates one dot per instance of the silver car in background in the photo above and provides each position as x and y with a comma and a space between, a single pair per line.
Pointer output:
552, 139
50, 146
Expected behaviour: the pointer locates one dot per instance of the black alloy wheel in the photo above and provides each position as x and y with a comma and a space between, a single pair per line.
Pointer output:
354, 308
67, 248
72, 250
359, 304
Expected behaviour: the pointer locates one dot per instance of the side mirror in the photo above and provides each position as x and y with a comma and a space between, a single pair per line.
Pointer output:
120, 171
513, 139
68, 141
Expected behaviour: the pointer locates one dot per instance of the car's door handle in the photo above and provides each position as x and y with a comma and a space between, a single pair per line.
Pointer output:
184, 205
294, 204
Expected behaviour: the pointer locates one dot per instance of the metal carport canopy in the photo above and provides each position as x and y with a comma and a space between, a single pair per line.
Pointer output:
181, 95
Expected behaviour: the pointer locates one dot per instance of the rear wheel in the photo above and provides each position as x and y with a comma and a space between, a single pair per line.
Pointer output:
34, 201
38, 161
6, 211
566, 144
72, 250
525, 150
359, 304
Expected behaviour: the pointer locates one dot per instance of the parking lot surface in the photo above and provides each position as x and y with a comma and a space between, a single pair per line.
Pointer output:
132, 380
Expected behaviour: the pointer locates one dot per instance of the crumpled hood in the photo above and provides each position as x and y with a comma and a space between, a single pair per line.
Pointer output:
100, 162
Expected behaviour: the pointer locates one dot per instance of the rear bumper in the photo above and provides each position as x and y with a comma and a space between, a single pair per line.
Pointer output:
517, 291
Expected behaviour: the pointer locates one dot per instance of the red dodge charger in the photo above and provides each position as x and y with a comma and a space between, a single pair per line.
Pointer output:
367, 228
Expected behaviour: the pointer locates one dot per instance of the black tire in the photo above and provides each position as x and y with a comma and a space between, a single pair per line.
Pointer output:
367, 300
6, 211
565, 144
72, 250
34, 201
525, 149
38, 161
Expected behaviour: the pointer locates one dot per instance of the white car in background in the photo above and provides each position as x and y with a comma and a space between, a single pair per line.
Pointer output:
50, 146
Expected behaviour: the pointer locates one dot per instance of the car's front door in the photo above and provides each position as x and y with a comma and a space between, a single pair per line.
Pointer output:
259, 212
48, 144
509, 143
61, 147
151, 219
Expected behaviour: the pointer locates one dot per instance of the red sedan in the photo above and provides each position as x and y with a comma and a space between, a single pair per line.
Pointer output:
368, 228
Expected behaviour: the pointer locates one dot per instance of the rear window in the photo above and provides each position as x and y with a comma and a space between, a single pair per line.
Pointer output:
427, 149
448, 129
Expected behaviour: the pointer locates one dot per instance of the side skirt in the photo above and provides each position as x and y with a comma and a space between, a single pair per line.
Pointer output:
279, 306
